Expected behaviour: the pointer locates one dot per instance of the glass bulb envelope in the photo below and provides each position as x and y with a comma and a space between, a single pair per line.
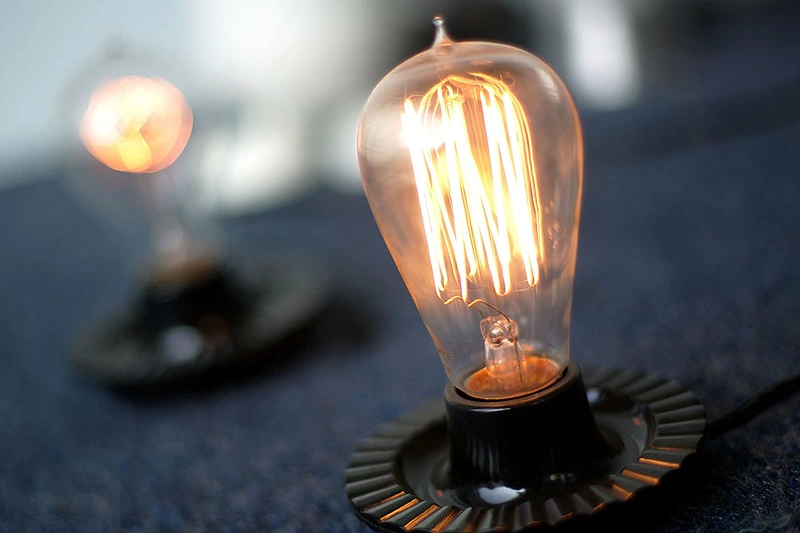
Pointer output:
471, 158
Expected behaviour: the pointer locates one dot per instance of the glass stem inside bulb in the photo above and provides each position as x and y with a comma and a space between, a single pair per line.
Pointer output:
170, 238
504, 357
509, 367
179, 254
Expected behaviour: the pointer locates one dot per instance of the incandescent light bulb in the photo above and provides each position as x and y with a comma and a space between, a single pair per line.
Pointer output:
471, 158
129, 126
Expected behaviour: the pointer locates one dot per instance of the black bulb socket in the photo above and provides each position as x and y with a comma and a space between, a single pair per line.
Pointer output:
523, 441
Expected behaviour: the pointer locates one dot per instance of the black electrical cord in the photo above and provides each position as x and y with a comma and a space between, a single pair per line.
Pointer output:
754, 406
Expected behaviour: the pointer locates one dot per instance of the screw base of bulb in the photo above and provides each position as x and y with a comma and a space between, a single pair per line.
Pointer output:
182, 331
405, 478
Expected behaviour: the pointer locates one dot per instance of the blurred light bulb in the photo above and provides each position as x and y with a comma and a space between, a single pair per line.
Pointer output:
140, 125
471, 157
128, 130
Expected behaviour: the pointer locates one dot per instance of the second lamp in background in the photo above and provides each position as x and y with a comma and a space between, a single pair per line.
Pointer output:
196, 307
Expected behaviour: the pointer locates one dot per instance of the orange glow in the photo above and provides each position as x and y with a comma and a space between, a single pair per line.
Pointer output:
534, 370
136, 124
471, 149
655, 462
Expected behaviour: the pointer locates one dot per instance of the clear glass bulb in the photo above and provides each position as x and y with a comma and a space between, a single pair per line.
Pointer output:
472, 160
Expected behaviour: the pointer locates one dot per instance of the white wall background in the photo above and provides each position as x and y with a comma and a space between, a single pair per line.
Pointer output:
293, 73
283, 63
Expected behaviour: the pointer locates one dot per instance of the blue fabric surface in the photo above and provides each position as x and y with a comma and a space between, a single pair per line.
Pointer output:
687, 267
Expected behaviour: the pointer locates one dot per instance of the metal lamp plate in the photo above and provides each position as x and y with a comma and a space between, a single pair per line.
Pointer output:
279, 297
658, 423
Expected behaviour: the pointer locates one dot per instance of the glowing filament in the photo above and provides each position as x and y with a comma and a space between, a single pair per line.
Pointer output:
471, 149
136, 124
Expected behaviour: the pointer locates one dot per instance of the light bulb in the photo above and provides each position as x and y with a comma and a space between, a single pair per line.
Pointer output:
471, 158
140, 125
128, 127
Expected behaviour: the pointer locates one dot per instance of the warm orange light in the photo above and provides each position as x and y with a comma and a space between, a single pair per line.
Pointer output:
471, 155
471, 149
136, 124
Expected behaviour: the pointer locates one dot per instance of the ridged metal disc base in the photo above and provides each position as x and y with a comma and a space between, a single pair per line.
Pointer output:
396, 481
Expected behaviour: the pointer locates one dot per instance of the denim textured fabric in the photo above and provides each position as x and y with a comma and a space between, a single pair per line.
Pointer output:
687, 268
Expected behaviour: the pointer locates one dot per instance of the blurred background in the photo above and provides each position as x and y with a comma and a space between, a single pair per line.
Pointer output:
277, 86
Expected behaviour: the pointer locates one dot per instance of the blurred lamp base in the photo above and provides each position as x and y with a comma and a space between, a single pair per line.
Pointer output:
548, 466
211, 315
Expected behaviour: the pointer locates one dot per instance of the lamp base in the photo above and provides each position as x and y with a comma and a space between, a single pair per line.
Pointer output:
178, 329
397, 480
